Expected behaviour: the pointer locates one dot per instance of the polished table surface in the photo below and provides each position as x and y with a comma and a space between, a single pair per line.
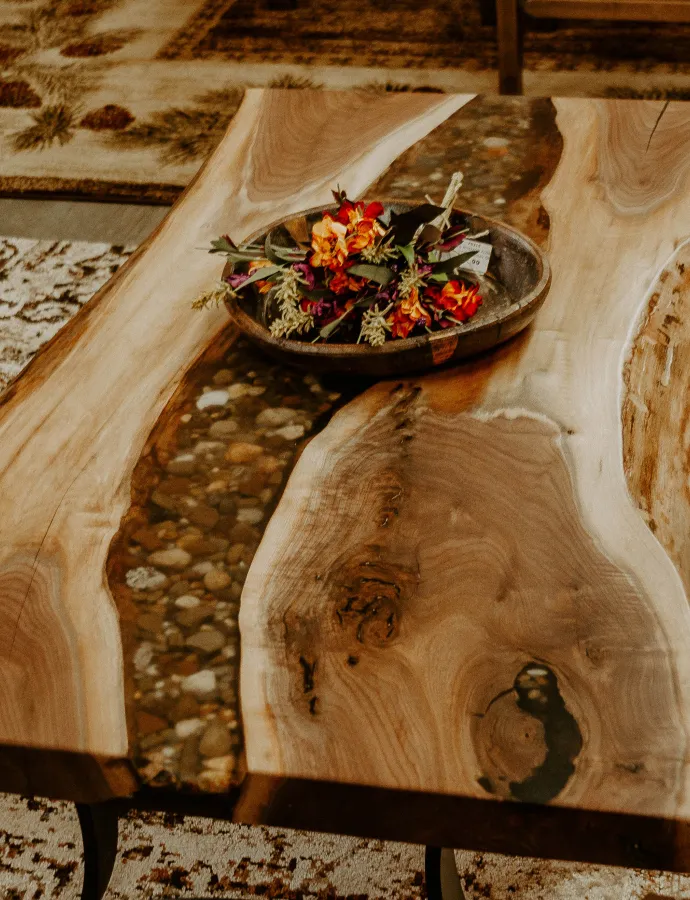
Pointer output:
449, 609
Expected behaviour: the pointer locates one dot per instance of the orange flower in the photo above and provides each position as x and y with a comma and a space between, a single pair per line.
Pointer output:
342, 282
263, 286
353, 228
365, 234
407, 314
461, 301
328, 243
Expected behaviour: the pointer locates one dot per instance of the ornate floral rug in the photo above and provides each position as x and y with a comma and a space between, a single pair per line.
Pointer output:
125, 98
163, 856
42, 284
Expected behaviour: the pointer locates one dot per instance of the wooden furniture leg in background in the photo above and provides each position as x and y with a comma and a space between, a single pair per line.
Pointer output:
98, 823
442, 879
509, 37
487, 13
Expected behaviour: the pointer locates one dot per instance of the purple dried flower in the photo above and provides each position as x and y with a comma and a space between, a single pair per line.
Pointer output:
326, 311
307, 273
236, 280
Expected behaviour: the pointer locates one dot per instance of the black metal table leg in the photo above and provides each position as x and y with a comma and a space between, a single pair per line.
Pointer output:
98, 822
442, 879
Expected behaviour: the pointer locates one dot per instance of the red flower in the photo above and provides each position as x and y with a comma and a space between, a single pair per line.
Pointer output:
346, 210
373, 210
457, 298
350, 213
361, 222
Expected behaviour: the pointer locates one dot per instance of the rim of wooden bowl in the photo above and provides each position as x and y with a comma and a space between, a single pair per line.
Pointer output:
254, 330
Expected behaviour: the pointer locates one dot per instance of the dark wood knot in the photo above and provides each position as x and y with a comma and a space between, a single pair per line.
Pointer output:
370, 607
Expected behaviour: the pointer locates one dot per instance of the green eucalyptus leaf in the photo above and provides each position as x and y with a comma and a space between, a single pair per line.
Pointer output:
407, 252
453, 262
379, 274
365, 301
271, 255
236, 254
264, 274
316, 294
281, 255
438, 276
222, 245
332, 327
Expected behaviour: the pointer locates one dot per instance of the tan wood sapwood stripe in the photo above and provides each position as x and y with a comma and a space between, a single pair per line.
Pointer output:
75, 423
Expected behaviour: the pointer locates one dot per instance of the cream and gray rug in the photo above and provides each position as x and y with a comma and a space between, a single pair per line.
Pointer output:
42, 284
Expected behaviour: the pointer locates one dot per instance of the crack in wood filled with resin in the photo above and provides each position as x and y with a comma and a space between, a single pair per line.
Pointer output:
460, 624
508, 149
201, 494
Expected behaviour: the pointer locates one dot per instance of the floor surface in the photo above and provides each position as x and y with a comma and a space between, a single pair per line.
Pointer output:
76, 220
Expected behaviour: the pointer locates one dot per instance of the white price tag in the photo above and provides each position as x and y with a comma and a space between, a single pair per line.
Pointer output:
478, 263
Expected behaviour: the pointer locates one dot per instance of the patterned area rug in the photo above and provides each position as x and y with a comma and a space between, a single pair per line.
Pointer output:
163, 856
43, 284
125, 98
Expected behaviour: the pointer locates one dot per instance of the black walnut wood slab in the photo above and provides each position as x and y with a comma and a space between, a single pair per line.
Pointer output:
474, 588
457, 592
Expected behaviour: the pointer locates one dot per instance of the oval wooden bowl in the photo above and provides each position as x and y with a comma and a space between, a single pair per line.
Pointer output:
520, 280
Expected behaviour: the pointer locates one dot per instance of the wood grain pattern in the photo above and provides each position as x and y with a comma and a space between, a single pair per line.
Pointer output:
476, 582
627, 10
487, 613
656, 412
73, 426
643, 158
524, 829
162, 641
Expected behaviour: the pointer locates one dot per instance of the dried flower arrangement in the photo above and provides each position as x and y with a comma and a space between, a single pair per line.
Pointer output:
367, 274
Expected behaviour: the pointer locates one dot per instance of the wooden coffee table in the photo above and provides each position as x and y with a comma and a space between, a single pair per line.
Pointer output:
450, 609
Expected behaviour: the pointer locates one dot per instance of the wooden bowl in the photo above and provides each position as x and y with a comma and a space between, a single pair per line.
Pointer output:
519, 281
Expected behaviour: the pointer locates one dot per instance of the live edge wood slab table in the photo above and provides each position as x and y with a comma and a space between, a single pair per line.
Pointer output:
451, 609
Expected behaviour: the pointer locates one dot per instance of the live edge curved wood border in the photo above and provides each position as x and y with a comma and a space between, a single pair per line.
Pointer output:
488, 614
571, 613
72, 428
162, 639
